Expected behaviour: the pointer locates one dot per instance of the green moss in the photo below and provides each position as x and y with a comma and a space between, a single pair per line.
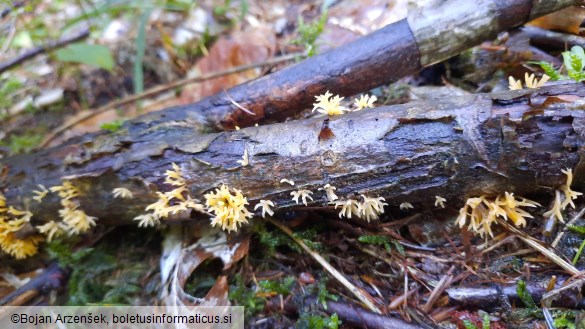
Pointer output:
243, 296
23, 143
113, 126
307, 320
308, 33
382, 240
111, 272
271, 240
281, 287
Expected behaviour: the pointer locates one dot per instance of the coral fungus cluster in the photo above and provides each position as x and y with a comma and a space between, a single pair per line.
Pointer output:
481, 212
229, 208
75, 219
12, 221
169, 203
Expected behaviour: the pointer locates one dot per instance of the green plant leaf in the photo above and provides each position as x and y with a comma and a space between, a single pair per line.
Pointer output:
469, 325
579, 52
564, 320
577, 229
577, 76
486, 321
548, 70
308, 33
113, 126
282, 287
85, 53
574, 61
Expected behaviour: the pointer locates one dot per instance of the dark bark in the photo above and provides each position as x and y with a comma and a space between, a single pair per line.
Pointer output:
348, 313
550, 39
490, 297
52, 278
454, 148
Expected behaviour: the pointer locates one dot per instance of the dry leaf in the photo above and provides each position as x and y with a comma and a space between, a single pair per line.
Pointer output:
212, 245
566, 20
560, 99
241, 48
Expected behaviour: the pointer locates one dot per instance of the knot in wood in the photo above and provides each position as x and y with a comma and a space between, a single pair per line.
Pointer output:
328, 158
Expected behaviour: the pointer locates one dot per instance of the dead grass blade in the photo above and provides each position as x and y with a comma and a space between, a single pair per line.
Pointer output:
362, 296
533, 243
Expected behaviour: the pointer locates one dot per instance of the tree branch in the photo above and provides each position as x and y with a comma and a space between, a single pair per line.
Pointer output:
380, 58
4, 66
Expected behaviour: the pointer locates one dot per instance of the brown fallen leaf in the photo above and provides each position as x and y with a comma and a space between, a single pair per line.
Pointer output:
560, 99
566, 20
241, 48
219, 292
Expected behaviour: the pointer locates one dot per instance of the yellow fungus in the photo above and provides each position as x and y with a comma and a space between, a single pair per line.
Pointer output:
348, 207
146, 220
440, 201
66, 191
244, 162
265, 205
40, 194
13, 220
532, 82
330, 191
483, 211
529, 80
175, 176
288, 181
365, 101
556, 208
303, 194
371, 208
52, 229
122, 192
228, 207
570, 195
329, 105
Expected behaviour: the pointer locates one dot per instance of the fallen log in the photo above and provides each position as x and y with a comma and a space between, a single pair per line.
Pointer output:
516, 141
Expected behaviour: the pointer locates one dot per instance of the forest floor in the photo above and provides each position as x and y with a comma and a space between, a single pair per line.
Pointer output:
414, 264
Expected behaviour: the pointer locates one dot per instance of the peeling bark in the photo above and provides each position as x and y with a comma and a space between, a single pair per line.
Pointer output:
459, 147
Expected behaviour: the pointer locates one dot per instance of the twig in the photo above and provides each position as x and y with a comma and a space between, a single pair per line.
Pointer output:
41, 49
545, 38
549, 297
237, 104
486, 297
362, 296
571, 222
52, 277
159, 89
14, 5
439, 288
8, 41
540, 248
350, 314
